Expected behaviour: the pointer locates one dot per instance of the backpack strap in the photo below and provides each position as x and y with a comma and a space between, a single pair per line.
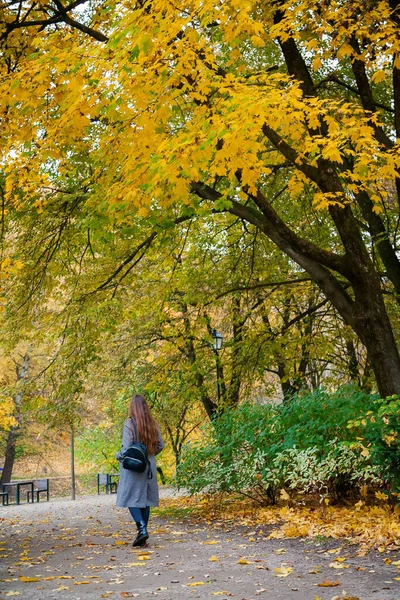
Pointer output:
135, 430
136, 434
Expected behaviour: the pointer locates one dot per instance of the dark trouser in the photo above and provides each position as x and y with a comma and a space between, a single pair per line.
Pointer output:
140, 514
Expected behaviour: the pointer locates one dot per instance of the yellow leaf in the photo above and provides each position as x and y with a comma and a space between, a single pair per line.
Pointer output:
378, 76
12, 593
121, 543
317, 63
211, 542
337, 565
365, 452
344, 50
143, 212
328, 583
28, 579
243, 561
282, 571
214, 559
381, 496
196, 583
81, 582
284, 495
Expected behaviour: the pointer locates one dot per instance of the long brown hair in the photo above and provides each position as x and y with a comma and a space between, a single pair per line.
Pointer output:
145, 423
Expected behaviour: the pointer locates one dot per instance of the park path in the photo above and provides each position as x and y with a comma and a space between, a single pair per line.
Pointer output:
81, 550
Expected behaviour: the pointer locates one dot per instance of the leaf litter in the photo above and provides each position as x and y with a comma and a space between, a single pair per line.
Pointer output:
230, 552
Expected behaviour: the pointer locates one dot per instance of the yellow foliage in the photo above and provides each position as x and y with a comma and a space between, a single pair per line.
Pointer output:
7, 407
157, 108
369, 526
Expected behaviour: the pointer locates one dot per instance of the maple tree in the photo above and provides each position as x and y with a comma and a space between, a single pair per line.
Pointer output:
275, 113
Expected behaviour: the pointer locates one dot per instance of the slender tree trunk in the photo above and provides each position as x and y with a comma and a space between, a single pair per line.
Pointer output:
232, 395
352, 362
73, 480
9, 454
13, 434
211, 407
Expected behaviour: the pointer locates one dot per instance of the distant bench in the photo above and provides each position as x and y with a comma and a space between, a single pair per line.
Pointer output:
41, 487
109, 481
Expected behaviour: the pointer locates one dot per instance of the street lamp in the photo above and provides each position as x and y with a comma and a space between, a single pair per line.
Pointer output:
218, 338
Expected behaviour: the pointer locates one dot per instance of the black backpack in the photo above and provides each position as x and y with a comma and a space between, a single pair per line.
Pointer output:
136, 457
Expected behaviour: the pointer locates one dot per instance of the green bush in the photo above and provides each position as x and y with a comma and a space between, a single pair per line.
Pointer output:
380, 430
304, 445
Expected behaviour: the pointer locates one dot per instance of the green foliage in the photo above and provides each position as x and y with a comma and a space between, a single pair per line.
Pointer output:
380, 428
313, 419
304, 445
96, 448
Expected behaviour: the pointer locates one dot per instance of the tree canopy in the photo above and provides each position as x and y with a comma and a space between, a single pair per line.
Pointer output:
121, 121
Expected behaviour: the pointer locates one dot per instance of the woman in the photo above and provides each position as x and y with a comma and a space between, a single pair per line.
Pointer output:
139, 491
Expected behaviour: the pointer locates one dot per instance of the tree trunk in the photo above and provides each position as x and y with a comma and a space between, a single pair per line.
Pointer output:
375, 331
9, 454
73, 480
22, 373
352, 362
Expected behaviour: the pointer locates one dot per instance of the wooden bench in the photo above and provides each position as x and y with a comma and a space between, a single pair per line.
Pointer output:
42, 487
109, 480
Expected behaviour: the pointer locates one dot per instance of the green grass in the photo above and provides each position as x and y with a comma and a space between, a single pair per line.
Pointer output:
173, 512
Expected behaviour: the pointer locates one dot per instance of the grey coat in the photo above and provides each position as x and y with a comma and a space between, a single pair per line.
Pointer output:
136, 489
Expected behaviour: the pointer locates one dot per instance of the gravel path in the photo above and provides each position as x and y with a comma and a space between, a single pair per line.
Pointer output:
82, 551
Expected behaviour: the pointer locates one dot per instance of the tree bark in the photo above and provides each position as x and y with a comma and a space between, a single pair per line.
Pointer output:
22, 374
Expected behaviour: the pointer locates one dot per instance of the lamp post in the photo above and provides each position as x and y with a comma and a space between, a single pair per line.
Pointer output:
218, 338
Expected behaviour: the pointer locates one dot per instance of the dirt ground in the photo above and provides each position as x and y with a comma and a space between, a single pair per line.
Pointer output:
82, 550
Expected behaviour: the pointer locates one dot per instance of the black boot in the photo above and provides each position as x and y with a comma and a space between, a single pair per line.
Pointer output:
142, 535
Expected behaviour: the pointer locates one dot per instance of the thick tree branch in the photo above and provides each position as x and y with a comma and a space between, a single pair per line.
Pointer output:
365, 92
60, 15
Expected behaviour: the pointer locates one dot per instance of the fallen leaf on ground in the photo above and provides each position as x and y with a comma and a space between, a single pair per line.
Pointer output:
328, 583
336, 565
209, 543
282, 571
315, 570
195, 583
